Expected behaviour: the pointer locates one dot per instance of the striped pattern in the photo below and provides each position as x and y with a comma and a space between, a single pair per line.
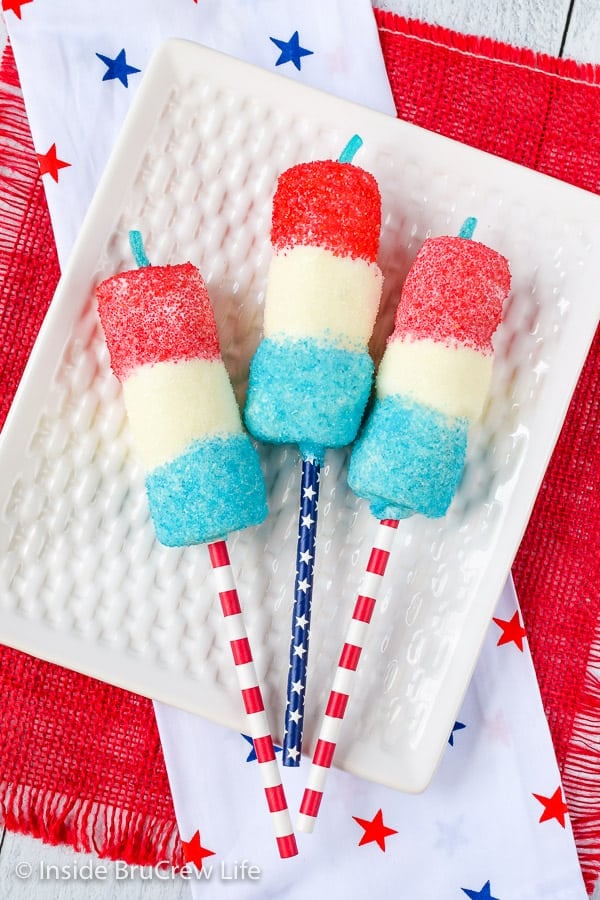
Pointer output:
203, 474
311, 376
433, 379
258, 725
345, 673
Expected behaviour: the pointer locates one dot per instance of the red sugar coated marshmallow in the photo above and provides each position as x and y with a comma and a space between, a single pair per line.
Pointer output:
453, 294
154, 314
328, 204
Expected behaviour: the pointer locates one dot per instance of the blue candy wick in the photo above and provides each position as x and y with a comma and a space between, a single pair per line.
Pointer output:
351, 148
137, 248
467, 228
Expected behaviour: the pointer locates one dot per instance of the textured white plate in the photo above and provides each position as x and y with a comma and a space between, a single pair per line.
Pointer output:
82, 580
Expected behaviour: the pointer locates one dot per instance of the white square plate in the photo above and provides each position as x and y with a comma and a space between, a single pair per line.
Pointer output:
83, 581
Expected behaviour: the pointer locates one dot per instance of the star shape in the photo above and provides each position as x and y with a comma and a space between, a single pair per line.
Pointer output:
299, 650
512, 630
301, 622
291, 51
375, 830
295, 716
484, 894
305, 557
297, 687
306, 521
50, 164
293, 753
194, 852
554, 807
303, 585
450, 836
14, 6
252, 755
458, 726
497, 728
117, 68
337, 60
309, 492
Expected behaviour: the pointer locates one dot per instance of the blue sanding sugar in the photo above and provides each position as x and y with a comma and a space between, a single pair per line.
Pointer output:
307, 392
216, 486
409, 459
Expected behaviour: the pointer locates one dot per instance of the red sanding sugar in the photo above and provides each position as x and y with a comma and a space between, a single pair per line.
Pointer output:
454, 293
155, 314
328, 204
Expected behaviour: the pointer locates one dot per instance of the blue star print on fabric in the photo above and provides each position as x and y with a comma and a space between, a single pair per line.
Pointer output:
484, 894
291, 51
456, 727
252, 755
450, 836
117, 68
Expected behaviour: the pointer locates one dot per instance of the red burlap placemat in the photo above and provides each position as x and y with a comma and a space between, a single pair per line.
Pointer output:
543, 113
80, 761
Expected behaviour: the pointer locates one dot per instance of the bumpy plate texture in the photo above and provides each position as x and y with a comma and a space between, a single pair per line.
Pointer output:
83, 581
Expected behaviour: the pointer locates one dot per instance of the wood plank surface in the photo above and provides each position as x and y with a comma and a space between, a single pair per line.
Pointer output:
538, 24
582, 41
30, 869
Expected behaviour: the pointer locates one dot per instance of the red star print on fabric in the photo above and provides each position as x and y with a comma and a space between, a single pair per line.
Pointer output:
497, 728
512, 630
194, 852
50, 164
554, 807
14, 6
375, 830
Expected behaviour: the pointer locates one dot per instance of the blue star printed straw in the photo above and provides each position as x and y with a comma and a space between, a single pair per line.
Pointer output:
311, 375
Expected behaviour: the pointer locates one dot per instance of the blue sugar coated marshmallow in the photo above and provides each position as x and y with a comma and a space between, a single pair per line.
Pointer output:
409, 459
214, 487
307, 392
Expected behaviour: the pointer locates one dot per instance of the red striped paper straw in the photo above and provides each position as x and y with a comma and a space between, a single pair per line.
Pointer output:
258, 724
344, 675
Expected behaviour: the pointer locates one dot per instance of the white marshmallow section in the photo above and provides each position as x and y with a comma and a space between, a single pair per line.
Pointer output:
170, 404
313, 293
453, 380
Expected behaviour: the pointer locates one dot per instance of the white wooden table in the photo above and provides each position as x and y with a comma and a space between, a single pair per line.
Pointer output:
569, 28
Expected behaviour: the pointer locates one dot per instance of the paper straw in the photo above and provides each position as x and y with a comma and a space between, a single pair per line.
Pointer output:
339, 695
301, 613
348, 663
258, 725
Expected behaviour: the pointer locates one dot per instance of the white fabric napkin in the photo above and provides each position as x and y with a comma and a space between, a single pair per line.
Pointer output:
492, 824
58, 47
475, 832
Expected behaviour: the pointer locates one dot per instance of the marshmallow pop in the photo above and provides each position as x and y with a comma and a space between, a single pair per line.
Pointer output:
203, 476
311, 375
431, 384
